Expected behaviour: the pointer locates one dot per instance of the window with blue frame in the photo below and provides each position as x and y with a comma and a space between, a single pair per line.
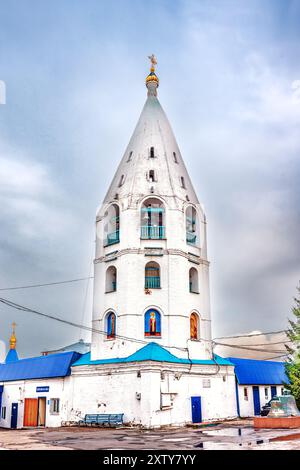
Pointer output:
111, 325
152, 323
153, 220
192, 226
152, 275
112, 225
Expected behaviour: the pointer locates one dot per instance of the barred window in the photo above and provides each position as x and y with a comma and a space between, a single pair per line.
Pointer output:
54, 405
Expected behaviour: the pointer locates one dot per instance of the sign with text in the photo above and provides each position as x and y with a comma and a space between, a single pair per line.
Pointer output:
43, 389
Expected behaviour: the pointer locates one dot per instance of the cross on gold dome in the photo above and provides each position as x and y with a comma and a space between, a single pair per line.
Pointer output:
13, 339
153, 61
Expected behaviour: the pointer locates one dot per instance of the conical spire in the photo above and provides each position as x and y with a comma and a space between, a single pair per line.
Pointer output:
152, 147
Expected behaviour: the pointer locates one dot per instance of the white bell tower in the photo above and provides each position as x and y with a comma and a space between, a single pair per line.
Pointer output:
151, 276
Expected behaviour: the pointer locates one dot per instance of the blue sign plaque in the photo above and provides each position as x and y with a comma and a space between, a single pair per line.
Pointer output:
42, 389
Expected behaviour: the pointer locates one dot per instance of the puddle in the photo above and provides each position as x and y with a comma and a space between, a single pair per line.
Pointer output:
232, 432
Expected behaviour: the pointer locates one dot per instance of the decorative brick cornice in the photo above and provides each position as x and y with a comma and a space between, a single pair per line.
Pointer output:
146, 252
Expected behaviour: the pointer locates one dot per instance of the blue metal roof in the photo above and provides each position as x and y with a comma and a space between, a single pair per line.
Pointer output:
12, 356
55, 365
253, 372
150, 352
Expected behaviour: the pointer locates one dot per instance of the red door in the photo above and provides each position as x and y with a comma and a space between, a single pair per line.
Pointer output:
31, 412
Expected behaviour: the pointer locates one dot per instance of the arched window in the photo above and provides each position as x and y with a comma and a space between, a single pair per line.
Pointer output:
152, 219
112, 225
152, 323
111, 279
194, 326
193, 281
152, 275
110, 325
192, 226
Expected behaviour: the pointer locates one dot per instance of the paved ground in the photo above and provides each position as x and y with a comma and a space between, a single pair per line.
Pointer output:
238, 435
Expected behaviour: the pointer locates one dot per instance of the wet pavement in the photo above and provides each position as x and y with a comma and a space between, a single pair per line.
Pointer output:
239, 435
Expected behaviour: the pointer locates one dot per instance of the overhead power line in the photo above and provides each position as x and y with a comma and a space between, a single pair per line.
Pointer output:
19, 307
258, 344
249, 335
236, 346
22, 308
275, 357
47, 284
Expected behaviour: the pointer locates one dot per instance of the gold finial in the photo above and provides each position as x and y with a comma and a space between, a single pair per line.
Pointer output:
13, 339
152, 78
153, 62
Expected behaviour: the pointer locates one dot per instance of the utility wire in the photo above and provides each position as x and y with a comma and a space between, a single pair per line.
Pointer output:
252, 334
47, 284
262, 344
11, 304
274, 357
236, 346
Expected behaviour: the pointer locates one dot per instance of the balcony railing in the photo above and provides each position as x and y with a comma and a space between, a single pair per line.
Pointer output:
153, 232
112, 238
191, 238
152, 282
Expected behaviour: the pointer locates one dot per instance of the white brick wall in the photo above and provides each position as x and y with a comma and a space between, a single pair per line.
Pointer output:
112, 389
17, 391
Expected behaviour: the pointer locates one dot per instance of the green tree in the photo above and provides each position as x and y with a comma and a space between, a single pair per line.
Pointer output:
292, 366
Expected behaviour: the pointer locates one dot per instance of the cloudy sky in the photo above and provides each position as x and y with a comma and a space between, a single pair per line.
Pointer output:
230, 83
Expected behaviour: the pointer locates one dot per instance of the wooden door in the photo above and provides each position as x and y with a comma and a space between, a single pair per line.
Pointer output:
42, 411
31, 412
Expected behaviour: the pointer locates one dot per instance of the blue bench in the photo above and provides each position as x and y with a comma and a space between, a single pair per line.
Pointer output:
102, 419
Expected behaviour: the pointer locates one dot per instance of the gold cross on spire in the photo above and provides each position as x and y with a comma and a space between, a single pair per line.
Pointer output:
153, 62
13, 339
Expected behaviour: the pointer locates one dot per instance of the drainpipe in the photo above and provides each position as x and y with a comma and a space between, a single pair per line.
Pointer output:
237, 398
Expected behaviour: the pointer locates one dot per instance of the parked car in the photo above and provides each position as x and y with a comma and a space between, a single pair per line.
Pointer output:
266, 408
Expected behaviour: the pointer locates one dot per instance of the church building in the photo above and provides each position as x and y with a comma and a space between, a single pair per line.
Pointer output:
151, 354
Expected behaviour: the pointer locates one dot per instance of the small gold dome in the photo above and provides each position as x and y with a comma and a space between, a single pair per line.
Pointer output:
152, 78
13, 339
